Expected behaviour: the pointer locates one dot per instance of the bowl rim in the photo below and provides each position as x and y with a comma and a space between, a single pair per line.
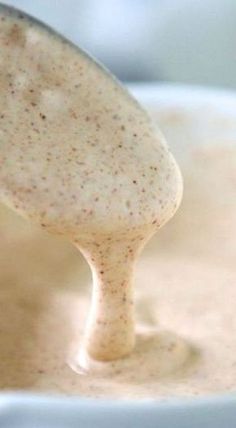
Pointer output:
22, 410
183, 94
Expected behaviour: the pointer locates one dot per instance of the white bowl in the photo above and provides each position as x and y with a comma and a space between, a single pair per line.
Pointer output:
22, 410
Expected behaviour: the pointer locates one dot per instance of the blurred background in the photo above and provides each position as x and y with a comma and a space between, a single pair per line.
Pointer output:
187, 41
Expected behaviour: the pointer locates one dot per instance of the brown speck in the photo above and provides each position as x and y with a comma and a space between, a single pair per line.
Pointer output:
73, 114
15, 36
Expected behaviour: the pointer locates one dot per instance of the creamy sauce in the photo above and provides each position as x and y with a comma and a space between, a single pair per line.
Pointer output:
80, 157
185, 286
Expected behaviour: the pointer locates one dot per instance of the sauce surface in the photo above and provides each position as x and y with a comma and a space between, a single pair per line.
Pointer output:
185, 286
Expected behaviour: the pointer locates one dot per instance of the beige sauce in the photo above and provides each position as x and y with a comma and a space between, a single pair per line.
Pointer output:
80, 157
185, 287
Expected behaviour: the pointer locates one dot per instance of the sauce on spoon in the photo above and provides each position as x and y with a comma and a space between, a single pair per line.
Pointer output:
80, 157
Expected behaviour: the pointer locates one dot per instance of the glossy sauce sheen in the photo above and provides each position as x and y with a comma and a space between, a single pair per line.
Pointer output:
185, 286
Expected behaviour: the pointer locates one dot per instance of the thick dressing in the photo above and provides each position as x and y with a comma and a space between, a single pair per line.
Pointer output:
80, 157
185, 287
